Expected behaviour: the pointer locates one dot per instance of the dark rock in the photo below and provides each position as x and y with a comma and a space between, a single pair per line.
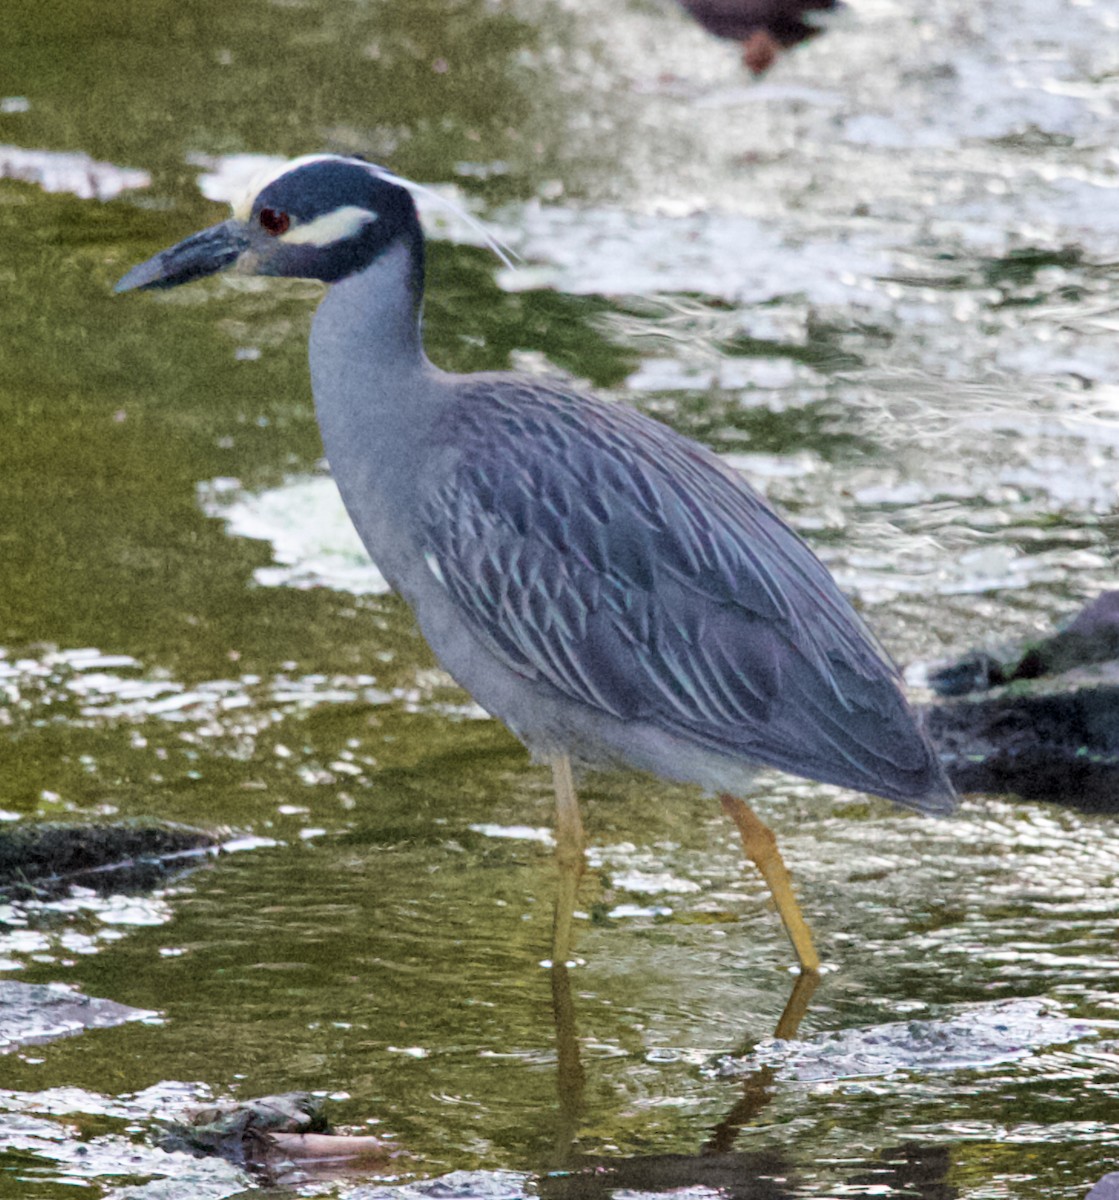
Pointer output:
975, 672
38, 859
1091, 637
738, 19
1041, 721
1059, 745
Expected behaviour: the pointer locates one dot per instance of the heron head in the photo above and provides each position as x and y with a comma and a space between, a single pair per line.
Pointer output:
320, 217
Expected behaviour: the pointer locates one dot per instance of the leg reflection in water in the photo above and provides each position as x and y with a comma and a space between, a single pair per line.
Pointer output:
757, 1086
917, 1169
736, 1175
570, 1078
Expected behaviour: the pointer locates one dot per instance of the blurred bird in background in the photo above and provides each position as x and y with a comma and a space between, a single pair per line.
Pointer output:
764, 27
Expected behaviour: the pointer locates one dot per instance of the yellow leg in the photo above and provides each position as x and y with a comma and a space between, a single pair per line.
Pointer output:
569, 857
761, 848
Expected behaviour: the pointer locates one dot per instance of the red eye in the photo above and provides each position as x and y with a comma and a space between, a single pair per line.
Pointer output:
273, 221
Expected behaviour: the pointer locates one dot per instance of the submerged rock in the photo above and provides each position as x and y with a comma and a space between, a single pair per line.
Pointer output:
238, 1131
40, 1012
465, 1185
1039, 721
979, 1036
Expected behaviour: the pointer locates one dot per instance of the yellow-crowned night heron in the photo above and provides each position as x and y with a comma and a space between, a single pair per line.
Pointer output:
612, 591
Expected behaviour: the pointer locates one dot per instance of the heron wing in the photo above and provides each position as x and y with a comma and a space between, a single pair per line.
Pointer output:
596, 549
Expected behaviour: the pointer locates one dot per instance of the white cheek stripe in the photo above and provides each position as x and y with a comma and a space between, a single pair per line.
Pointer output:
331, 227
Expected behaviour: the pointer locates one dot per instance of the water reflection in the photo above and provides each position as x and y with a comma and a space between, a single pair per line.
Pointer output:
978, 1039
667, 1172
757, 1084
717, 1169
912, 1169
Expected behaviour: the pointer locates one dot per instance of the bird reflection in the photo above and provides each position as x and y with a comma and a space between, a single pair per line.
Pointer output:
570, 1078
913, 1169
757, 1087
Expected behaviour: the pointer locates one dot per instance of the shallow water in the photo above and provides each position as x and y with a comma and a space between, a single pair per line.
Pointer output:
880, 281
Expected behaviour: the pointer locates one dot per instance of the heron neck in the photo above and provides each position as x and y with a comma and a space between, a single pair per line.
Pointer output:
377, 396
367, 330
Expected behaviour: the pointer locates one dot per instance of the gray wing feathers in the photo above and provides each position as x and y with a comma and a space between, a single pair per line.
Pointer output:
597, 550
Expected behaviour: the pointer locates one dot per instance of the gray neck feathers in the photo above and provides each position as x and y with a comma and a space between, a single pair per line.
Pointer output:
376, 397
370, 321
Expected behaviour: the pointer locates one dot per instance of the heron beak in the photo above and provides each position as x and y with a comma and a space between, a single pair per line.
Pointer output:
201, 254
